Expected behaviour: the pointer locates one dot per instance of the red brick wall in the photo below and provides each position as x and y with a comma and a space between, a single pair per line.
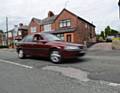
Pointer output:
1, 38
33, 23
65, 15
83, 33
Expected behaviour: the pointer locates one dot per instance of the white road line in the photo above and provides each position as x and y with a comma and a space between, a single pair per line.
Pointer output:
114, 84
17, 64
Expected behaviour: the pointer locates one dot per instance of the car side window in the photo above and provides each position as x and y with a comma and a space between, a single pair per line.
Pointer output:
37, 38
28, 38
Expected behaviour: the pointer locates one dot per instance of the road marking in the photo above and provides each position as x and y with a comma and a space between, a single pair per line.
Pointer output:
17, 64
114, 84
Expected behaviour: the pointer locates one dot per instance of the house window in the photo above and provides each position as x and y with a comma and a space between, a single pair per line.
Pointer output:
9, 34
61, 36
68, 38
86, 26
65, 23
33, 29
19, 33
14, 33
47, 28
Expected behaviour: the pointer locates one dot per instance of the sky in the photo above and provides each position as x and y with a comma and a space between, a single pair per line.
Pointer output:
99, 12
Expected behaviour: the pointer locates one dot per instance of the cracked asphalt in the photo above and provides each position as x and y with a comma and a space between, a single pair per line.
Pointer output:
100, 67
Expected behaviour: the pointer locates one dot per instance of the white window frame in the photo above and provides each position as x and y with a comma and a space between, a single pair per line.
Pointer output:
9, 34
33, 29
47, 27
65, 23
19, 32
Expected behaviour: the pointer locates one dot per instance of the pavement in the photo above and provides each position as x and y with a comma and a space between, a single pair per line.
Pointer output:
97, 72
101, 46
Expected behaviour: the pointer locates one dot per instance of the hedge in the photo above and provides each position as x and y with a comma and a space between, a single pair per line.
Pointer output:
3, 46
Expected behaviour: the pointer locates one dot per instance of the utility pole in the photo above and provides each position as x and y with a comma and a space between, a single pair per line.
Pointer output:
7, 31
119, 7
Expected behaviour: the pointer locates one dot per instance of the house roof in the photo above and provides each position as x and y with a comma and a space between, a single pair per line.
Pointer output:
24, 27
45, 21
75, 16
39, 21
48, 20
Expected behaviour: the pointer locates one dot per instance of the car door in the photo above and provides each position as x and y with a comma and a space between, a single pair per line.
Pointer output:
27, 45
41, 48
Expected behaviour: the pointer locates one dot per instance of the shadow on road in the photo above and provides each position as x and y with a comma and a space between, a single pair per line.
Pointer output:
65, 61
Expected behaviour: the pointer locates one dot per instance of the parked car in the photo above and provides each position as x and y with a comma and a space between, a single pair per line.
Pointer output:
48, 45
109, 38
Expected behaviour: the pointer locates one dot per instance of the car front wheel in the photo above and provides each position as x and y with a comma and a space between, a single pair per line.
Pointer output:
21, 54
55, 56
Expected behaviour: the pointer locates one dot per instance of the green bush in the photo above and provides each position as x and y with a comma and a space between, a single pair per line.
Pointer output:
3, 46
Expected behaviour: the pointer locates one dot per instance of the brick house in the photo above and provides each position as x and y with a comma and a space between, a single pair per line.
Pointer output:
16, 34
65, 25
46, 25
22, 31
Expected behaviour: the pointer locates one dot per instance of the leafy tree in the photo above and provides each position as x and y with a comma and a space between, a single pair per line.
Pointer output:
102, 35
1, 31
107, 31
114, 32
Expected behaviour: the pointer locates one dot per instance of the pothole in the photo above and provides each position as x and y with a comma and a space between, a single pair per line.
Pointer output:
69, 72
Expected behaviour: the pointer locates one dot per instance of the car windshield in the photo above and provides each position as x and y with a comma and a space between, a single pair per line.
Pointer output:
51, 37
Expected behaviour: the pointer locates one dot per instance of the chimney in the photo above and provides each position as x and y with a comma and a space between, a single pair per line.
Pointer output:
50, 14
21, 24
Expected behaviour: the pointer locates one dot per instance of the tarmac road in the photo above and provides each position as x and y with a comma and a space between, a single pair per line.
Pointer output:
97, 72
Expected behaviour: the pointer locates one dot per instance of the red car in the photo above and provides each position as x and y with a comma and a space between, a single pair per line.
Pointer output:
48, 45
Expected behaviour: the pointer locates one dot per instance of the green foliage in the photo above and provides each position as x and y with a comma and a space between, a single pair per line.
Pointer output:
107, 31
114, 32
102, 35
1, 31
3, 46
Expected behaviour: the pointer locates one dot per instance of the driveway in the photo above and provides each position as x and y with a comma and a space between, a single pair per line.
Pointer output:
101, 46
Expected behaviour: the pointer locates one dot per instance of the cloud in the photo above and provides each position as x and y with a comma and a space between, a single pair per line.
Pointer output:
101, 13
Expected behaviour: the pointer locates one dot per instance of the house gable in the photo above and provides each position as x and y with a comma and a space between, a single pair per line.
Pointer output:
35, 23
64, 15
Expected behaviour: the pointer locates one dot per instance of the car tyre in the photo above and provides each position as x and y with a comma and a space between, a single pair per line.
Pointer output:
21, 54
55, 57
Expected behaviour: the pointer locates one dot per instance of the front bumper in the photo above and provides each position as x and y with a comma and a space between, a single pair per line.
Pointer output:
73, 53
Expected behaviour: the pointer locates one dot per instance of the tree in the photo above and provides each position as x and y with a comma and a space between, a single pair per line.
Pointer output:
107, 31
113, 32
102, 35
1, 31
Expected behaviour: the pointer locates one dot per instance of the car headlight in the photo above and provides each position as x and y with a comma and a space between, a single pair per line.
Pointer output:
71, 48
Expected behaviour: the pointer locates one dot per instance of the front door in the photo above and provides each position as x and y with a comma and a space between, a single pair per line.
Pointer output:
68, 37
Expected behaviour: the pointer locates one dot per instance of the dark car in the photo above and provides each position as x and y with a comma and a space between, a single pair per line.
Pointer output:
48, 45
